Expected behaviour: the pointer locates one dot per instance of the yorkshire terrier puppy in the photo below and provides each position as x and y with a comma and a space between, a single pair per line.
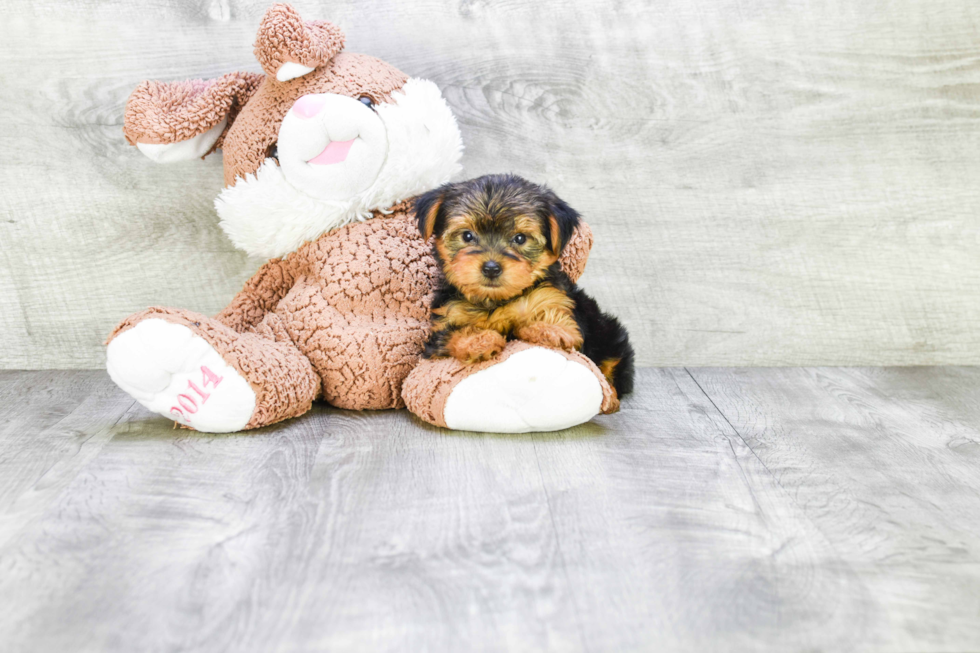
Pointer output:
498, 239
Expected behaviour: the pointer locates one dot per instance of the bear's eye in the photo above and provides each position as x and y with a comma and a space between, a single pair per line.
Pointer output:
468, 237
273, 151
520, 239
366, 101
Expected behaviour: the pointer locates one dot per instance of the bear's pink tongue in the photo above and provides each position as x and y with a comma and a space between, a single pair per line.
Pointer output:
334, 152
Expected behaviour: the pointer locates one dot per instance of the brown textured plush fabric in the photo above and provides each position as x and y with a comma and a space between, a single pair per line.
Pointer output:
428, 386
168, 112
283, 37
576, 253
345, 317
247, 141
281, 377
359, 309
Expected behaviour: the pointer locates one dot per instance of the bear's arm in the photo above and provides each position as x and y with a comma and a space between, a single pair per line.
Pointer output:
260, 295
576, 253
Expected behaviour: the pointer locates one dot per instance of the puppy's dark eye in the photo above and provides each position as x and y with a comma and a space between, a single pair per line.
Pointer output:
366, 101
520, 239
273, 152
468, 237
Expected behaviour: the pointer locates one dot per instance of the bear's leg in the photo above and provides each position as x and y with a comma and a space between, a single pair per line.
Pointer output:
204, 375
524, 389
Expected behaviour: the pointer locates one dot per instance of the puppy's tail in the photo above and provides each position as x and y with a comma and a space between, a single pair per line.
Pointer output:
619, 369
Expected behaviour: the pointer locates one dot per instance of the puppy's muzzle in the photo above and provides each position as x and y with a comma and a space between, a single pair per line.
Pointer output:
491, 269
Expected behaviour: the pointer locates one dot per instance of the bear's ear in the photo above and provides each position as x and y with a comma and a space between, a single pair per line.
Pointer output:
287, 47
179, 121
429, 213
561, 221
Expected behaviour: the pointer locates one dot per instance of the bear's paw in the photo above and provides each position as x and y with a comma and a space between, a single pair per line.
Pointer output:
175, 373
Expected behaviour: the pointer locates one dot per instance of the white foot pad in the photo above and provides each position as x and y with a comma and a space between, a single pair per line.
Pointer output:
533, 390
177, 374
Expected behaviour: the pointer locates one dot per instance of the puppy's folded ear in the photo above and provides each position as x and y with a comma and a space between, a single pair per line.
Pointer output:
561, 223
428, 212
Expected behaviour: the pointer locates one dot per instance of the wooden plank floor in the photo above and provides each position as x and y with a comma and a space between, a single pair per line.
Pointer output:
817, 509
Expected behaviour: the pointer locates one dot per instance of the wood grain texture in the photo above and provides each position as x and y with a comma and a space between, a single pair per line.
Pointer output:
770, 181
53, 424
737, 510
884, 462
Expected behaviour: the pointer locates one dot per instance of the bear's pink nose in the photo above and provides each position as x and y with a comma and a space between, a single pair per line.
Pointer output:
309, 105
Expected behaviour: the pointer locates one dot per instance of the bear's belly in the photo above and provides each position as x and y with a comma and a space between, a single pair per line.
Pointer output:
362, 351
379, 269
361, 313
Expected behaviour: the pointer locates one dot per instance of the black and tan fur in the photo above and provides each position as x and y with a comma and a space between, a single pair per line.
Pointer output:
498, 239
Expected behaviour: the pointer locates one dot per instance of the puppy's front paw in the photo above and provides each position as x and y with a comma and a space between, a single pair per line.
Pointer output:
474, 345
556, 336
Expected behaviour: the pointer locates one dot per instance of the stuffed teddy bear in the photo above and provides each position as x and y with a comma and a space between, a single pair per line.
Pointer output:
323, 156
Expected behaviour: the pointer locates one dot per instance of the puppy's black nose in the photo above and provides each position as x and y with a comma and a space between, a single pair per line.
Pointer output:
492, 269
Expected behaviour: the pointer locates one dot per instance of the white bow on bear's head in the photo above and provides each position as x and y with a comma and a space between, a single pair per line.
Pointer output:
324, 138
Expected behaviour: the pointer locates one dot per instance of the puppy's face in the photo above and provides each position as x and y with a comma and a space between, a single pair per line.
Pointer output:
495, 235
491, 254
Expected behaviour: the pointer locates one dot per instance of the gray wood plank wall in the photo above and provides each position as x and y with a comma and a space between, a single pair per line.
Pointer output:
771, 181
